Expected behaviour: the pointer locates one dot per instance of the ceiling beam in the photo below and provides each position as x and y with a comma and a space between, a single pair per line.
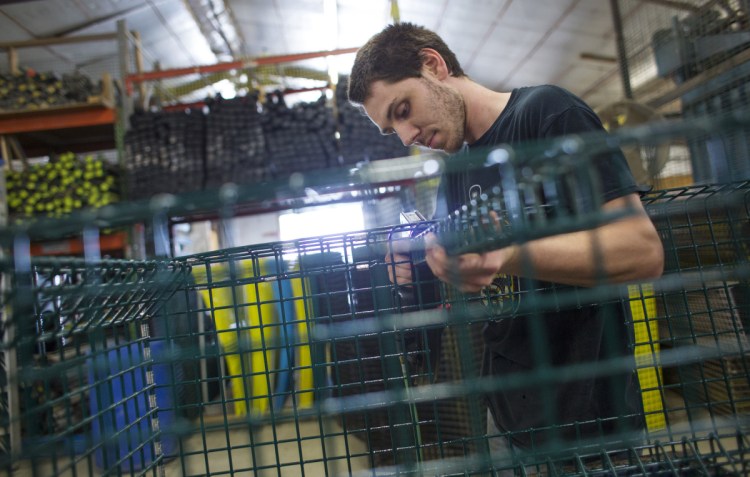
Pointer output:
98, 21
217, 26
537, 46
688, 7
597, 57
240, 64
53, 40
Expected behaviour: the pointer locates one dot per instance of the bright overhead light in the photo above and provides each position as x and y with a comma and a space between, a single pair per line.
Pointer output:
226, 89
333, 71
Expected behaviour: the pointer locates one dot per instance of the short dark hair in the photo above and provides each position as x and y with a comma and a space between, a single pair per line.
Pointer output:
394, 54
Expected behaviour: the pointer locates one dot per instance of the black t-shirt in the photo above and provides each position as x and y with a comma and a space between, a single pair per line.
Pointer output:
582, 334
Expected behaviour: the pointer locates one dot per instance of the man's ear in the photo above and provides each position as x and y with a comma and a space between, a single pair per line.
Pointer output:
433, 63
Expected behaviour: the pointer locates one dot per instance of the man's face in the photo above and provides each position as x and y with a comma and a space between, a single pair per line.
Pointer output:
422, 111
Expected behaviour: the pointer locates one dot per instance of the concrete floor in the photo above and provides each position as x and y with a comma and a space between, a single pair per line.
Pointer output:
285, 449
298, 448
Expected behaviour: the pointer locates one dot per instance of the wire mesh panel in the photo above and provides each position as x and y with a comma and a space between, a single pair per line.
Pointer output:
302, 357
707, 241
690, 58
85, 384
387, 379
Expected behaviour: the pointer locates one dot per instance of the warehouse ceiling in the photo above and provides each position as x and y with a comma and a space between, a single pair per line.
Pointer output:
501, 43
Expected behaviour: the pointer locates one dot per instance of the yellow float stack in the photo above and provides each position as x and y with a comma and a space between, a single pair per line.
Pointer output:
263, 328
302, 309
646, 331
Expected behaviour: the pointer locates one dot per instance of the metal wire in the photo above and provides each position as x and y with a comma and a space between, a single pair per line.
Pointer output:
302, 358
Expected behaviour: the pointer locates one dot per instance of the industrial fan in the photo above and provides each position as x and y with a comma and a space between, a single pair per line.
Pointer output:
645, 161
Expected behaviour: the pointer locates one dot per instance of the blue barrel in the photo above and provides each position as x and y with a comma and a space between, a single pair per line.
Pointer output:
119, 406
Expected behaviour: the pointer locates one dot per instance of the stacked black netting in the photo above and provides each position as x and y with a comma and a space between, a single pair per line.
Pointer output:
236, 141
360, 139
164, 153
235, 146
299, 138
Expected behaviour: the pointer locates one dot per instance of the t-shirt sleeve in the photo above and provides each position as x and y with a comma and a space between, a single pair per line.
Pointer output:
613, 172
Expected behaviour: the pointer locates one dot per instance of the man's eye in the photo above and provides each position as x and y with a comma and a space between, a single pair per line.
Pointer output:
403, 111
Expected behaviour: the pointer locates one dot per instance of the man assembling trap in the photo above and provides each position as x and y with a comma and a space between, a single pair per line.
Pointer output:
410, 83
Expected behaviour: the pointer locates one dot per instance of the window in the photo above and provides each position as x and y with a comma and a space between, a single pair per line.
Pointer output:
325, 220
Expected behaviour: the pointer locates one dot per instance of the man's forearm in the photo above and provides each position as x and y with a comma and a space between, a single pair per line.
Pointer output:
625, 250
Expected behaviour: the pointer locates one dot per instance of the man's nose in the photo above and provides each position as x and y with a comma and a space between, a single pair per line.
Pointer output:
407, 133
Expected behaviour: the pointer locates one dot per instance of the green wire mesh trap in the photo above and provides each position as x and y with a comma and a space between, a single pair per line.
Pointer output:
80, 335
302, 358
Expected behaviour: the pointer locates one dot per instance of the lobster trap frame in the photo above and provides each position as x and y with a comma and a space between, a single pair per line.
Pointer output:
302, 357
686, 59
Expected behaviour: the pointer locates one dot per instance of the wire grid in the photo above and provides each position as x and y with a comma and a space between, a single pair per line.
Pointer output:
706, 232
302, 357
369, 396
649, 27
690, 59
84, 374
640, 21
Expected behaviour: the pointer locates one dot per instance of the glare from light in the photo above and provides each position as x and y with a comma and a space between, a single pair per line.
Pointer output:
226, 89
333, 70
243, 78
431, 166
301, 97
639, 76
325, 220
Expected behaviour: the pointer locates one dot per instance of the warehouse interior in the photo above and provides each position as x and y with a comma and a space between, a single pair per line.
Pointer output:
196, 228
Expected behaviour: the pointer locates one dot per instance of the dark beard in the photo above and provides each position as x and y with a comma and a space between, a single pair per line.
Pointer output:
452, 105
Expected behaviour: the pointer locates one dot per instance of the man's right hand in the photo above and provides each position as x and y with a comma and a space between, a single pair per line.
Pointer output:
398, 262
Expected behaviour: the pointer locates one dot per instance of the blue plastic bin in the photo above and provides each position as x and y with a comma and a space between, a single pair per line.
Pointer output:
119, 404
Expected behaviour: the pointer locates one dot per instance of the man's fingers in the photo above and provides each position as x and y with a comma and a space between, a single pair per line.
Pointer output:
496, 220
449, 269
430, 241
400, 246
469, 272
496, 225
436, 258
399, 268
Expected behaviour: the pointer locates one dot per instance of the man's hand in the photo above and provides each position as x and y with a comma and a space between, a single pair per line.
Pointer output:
398, 262
472, 271
469, 272
620, 251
